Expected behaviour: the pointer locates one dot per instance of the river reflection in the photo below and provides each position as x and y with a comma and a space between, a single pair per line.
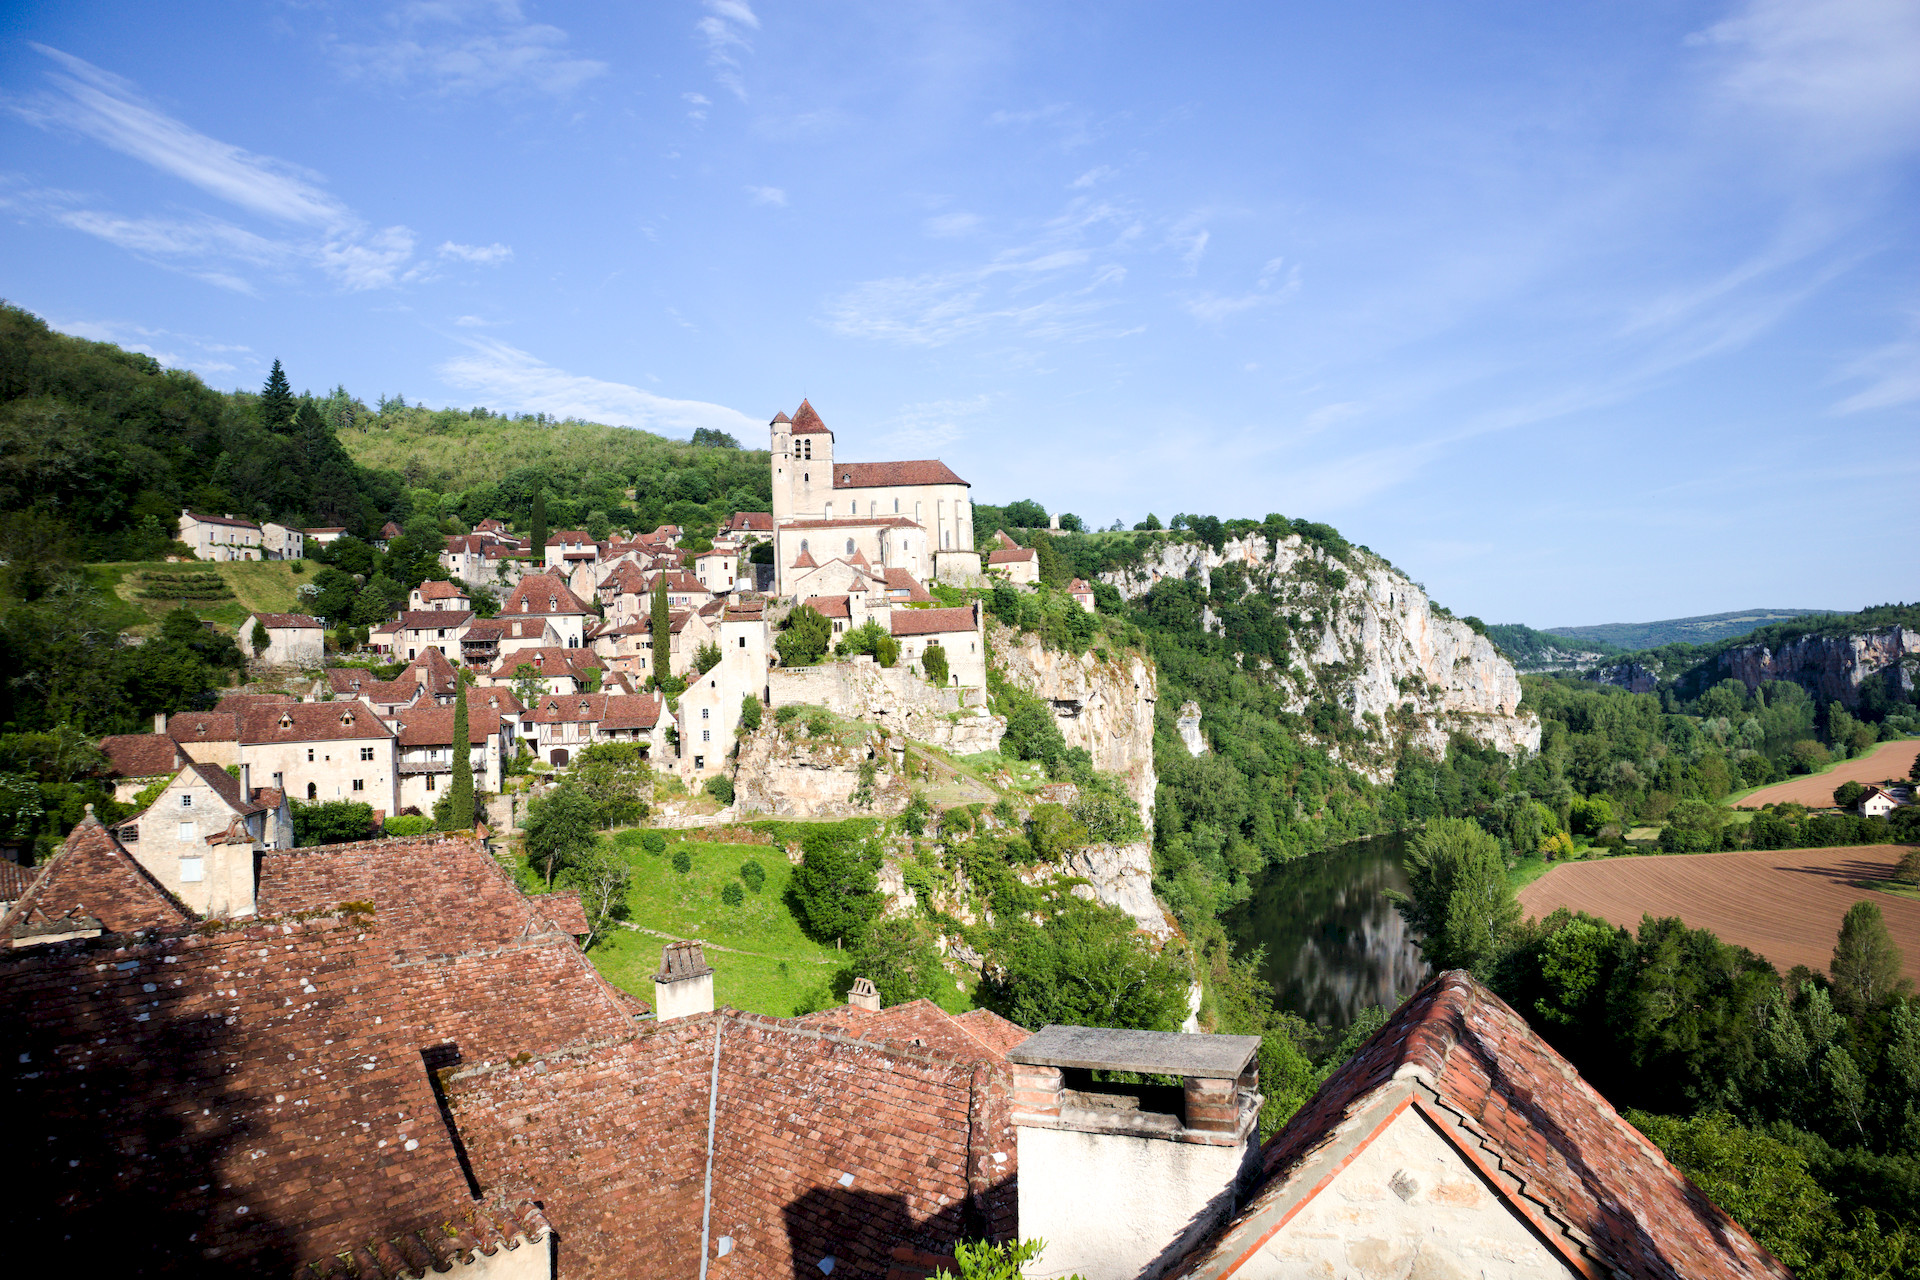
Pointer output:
1334, 944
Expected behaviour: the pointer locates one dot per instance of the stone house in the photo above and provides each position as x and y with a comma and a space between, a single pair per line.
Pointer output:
278, 542
383, 638
388, 532
749, 528
655, 1138
561, 670
425, 750
1082, 594
429, 680
628, 648
717, 570
217, 538
957, 631
569, 548
441, 597
429, 629
325, 535
543, 596
199, 836
340, 750
135, 761
485, 637
684, 591
293, 639
1017, 564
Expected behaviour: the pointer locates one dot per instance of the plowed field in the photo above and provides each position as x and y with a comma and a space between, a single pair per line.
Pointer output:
1888, 760
1785, 904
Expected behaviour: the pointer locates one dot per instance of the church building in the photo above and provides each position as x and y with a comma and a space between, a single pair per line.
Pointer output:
895, 515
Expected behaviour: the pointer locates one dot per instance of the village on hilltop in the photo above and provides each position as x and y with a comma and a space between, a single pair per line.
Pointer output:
380, 1058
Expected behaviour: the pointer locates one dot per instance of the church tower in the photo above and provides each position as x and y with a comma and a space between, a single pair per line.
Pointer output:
809, 467
781, 446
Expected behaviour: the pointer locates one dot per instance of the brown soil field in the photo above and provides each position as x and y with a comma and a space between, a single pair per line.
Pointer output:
1888, 760
1786, 904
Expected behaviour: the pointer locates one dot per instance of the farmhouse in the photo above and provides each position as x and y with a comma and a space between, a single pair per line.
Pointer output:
1877, 802
293, 639
219, 537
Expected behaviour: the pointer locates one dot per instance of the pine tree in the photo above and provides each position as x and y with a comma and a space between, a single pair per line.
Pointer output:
662, 632
460, 793
539, 523
276, 400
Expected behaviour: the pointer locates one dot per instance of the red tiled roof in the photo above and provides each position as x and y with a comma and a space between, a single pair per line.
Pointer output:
441, 591
830, 606
15, 879
423, 619
570, 538
1020, 556
140, 755
224, 785
391, 530
780, 417
92, 883
901, 580
683, 582
1589, 1182
499, 700
608, 710
288, 621
554, 660
806, 422
433, 726
229, 520
327, 528
927, 622
852, 522
805, 560
1005, 540
1079, 587
313, 722
992, 1030
924, 1024
882, 475
204, 726
751, 522
565, 910
540, 593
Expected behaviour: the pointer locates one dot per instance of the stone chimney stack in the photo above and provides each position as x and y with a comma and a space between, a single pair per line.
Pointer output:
863, 995
1119, 1179
159, 722
246, 783
684, 985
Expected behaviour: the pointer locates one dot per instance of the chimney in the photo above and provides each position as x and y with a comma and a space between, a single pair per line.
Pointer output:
1120, 1179
159, 722
246, 783
863, 996
684, 985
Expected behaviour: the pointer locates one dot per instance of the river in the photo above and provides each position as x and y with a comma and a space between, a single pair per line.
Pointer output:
1334, 944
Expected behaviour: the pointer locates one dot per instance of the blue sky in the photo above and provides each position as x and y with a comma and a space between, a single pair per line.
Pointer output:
1577, 312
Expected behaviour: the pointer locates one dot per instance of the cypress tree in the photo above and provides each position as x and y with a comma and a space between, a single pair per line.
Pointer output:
276, 400
539, 523
662, 632
460, 793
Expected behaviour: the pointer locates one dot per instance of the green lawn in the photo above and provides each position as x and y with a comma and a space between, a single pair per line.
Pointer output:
257, 586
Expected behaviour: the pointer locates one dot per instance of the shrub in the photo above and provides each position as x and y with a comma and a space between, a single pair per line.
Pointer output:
653, 842
407, 824
733, 895
913, 820
720, 787
1848, 794
804, 639
934, 663
749, 713
682, 861
753, 874
788, 714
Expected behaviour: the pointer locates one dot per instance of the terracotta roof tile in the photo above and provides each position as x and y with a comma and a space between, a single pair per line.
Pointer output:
431, 619
806, 422
227, 520
92, 884
140, 755
15, 879
287, 622
901, 580
926, 622
204, 726
543, 593
882, 475
1020, 556
313, 722
441, 591
433, 726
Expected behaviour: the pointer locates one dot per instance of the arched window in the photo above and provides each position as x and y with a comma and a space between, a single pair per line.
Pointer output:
849, 546
803, 544
896, 506
313, 792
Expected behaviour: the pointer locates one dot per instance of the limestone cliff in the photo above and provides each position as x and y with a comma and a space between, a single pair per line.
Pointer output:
1831, 668
1366, 640
791, 771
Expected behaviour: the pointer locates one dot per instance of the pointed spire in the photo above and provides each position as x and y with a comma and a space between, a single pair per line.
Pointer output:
807, 422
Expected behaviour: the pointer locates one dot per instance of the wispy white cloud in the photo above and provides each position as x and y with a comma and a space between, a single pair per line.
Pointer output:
927, 428
486, 255
697, 104
1097, 174
724, 31
525, 383
321, 232
1215, 308
170, 347
1839, 72
468, 46
948, 225
768, 195
1891, 372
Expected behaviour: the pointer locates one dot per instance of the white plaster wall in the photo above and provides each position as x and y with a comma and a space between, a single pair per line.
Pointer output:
1408, 1206
332, 769
1108, 1206
683, 998
226, 884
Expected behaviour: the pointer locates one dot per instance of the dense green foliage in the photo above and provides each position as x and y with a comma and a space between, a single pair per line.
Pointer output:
331, 822
836, 888
460, 802
1084, 965
1527, 647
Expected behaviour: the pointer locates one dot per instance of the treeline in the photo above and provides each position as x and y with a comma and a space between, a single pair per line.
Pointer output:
1811, 1079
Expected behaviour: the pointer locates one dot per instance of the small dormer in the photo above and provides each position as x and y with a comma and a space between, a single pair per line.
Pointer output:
286, 721
346, 719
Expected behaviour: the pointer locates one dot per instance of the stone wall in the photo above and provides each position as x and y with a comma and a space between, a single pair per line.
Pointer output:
953, 719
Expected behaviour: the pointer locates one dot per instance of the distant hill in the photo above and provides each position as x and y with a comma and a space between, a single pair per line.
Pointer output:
1701, 630
1533, 651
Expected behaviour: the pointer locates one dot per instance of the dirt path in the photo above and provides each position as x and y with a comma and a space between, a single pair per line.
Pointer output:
714, 946
1786, 904
1888, 760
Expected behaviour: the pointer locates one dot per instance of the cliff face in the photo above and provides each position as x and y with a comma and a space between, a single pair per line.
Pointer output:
1831, 668
1366, 639
786, 772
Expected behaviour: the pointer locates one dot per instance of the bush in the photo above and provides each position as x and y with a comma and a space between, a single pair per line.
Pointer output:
682, 861
913, 820
1908, 872
934, 663
331, 822
733, 895
899, 957
720, 787
804, 639
749, 713
653, 842
753, 874
836, 887
1848, 794
407, 824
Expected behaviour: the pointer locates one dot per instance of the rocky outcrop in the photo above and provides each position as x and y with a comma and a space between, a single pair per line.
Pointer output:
1631, 676
952, 719
1121, 875
787, 773
1104, 706
1831, 668
1367, 641
1188, 726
